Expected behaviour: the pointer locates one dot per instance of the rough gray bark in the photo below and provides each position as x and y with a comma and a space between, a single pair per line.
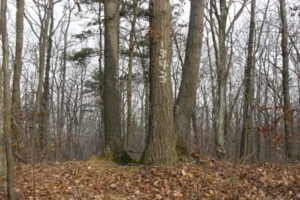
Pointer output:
16, 101
248, 93
161, 141
186, 101
112, 97
7, 106
288, 115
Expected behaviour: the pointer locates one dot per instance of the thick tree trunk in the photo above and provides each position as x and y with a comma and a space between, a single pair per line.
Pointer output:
186, 102
288, 115
129, 81
16, 101
7, 106
161, 142
112, 98
245, 153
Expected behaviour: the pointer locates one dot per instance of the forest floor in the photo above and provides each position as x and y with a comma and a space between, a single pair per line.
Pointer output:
201, 178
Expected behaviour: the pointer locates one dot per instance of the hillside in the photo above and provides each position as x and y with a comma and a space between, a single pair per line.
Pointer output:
203, 178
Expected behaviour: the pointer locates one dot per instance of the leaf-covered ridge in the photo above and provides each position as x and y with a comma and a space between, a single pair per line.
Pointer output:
201, 178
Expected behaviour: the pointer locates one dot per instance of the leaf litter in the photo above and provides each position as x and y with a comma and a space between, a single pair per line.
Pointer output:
198, 178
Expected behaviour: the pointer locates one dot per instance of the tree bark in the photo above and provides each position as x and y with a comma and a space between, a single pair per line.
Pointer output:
161, 142
43, 40
7, 106
2, 136
186, 100
112, 97
288, 114
62, 113
16, 101
222, 81
129, 81
248, 93
44, 114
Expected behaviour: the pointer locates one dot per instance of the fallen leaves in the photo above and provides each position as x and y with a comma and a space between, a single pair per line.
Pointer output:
203, 178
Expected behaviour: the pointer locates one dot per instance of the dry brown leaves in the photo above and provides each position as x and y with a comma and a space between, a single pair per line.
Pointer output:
203, 178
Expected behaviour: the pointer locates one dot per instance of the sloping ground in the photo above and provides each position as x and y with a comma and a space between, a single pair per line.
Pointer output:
199, 179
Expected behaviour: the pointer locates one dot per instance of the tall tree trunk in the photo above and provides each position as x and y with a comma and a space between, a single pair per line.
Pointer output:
43, 40
288, 115
112, 98
2, 136
222, 81
129, 81
161, 142
101, 142
61, 119
44, 115
7, 106
186, 100
16, 101
248, 94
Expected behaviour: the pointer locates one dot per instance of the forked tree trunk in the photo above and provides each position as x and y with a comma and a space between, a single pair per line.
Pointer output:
112, 97
7, 106
44, 114
186, 101
161, 141
43, 40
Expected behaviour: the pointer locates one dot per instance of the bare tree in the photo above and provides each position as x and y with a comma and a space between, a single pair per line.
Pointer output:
186, 101
16, 101
288, 115
245, 150
7, 106
43, 40
129, 81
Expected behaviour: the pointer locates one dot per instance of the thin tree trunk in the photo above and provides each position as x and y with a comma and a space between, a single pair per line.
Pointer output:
62, 114
185, 103
129, 81
2, 136
112, 97
16, 101
101, 137
44, 115
222, 81
248, 94
288, 115
161, 142
7, 106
